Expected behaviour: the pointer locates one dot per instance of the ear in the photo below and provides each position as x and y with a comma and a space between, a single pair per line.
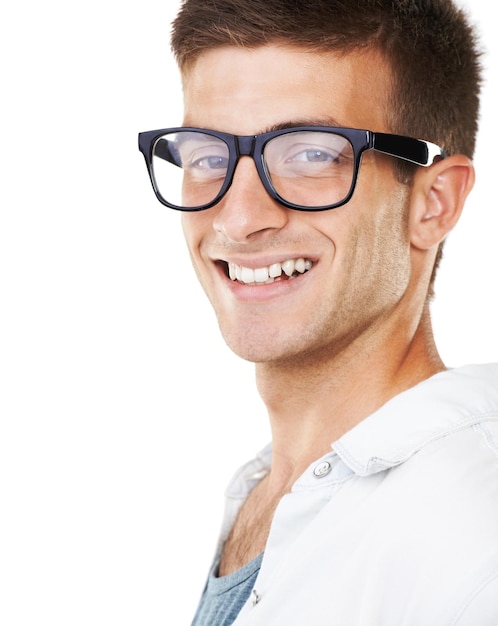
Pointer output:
436, 202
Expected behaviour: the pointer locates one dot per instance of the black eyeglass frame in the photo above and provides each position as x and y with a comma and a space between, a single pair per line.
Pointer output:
417, 151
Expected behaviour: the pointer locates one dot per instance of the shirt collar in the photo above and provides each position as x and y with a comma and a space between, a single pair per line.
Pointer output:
447, 402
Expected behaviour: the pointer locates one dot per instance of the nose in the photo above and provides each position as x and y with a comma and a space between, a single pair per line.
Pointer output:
247, 211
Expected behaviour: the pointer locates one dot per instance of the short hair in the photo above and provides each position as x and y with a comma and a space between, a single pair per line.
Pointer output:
429, 45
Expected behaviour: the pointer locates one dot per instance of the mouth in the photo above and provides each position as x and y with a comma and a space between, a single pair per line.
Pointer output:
287, 270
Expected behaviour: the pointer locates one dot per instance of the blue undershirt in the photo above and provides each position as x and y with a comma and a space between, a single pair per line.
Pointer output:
224, 597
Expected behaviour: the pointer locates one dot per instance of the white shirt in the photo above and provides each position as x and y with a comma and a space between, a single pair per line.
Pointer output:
397, 526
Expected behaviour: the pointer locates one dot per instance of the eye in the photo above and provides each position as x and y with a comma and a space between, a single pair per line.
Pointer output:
210, 163
201, 151
314, 155
205, 161
309, 153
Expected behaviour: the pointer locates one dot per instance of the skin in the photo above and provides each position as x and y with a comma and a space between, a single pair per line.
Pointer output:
334, 344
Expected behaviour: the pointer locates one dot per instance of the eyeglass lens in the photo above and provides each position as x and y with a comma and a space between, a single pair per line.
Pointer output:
306, 167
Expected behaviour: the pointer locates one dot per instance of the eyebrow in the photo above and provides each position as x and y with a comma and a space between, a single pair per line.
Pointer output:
323, 121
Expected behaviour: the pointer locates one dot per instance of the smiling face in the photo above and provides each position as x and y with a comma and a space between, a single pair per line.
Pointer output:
289, 284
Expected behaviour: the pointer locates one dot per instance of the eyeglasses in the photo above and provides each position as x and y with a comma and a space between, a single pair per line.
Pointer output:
309, 168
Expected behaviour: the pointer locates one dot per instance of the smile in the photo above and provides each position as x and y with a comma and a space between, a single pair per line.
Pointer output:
266, 275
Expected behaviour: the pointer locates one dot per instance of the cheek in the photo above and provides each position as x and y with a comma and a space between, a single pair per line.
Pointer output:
376, 253
187, 225
194, 230
197, 229
389, 260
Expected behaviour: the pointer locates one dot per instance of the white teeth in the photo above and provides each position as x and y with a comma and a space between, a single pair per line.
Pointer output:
300, 266
247, 275
275, 270
261, 275
267, 275
288, 267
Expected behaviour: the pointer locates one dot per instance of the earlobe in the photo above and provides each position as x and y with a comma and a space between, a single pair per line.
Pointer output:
437, 199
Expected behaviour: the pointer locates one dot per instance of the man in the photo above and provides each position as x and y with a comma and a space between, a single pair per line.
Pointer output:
317, 243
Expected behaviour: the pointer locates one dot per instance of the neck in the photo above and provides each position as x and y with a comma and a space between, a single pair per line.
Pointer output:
313, 400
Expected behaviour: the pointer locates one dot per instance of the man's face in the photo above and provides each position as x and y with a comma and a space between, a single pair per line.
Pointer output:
351, 264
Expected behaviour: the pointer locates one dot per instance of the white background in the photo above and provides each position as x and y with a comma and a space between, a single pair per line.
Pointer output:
123, 414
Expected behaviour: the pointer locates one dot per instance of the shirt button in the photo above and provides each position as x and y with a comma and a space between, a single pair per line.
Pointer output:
322, 469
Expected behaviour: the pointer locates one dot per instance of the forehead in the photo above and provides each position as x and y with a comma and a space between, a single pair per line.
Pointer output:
247, 91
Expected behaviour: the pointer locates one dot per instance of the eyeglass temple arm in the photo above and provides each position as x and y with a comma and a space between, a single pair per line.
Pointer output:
414, 150
162, 150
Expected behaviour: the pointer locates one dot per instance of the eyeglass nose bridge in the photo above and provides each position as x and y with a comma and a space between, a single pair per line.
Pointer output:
245, 145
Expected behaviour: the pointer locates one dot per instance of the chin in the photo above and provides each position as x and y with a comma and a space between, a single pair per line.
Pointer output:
256, 346
254, 353
253, 347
